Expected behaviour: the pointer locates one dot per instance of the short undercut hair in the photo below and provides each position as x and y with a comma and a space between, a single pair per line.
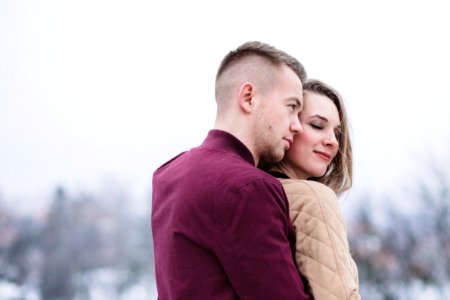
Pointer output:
266, 51
251, 60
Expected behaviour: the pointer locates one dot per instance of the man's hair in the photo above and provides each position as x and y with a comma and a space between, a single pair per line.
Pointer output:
339, 173
263, 50
252, 61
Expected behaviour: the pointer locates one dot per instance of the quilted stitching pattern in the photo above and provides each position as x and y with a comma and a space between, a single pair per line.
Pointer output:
322, 251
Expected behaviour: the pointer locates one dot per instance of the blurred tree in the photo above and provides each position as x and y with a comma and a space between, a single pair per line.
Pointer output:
58, 251
91, 240
410, 248
19, 248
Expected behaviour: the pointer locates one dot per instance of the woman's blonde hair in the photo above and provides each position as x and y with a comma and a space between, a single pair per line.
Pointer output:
340, 171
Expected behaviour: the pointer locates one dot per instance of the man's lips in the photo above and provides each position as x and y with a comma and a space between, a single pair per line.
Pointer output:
323, 155
289, 140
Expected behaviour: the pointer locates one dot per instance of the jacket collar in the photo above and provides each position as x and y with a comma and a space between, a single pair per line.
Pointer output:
219, 139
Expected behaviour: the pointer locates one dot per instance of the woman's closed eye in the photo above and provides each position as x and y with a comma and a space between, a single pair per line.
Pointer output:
316, 126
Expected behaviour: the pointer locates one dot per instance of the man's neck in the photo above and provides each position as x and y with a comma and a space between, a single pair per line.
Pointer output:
241, 135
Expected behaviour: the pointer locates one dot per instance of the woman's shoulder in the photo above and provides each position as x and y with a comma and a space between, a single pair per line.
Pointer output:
311, 196
307, 187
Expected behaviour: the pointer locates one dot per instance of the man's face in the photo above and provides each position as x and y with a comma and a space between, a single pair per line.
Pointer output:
277, 118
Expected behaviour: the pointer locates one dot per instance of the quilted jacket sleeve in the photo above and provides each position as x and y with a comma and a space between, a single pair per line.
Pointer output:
322, 250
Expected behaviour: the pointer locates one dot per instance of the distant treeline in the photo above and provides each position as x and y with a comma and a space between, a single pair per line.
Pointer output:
83, 242
80, 242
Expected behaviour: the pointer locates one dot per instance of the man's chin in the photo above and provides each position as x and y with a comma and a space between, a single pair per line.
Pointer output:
274, 157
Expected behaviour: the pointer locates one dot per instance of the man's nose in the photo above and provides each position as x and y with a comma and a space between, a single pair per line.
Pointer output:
296, 126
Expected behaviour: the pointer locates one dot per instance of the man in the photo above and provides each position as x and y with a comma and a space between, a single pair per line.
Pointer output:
220, 225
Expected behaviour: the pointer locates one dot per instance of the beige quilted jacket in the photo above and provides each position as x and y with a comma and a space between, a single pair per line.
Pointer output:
322, 251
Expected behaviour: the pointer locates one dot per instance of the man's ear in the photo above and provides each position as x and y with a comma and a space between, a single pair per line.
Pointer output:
246, 101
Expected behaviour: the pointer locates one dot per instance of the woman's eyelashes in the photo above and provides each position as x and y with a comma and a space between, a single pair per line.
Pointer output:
316, 126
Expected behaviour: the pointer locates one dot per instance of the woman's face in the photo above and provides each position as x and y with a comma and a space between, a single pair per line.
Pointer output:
315, 147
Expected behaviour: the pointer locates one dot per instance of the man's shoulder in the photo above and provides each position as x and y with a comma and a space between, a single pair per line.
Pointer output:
254, 177
169, 162
233, 169
215, 164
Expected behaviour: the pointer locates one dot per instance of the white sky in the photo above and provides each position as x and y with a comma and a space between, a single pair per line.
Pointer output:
91, 90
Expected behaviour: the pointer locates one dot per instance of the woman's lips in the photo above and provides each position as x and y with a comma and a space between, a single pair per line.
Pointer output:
323, 155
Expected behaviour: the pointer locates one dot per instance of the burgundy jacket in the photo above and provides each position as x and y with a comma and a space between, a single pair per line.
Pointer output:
221, 227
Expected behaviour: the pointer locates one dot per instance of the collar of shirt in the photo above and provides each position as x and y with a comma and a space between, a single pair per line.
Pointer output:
220, 139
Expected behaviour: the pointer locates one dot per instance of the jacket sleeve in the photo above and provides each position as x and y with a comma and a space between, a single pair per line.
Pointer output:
253, 243
322, 251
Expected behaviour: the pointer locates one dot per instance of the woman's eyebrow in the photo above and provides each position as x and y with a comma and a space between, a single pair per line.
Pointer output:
319, 116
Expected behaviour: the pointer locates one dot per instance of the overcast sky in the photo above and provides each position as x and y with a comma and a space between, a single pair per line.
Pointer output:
102, 92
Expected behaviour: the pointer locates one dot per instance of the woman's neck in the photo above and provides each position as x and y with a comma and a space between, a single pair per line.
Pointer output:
288, 170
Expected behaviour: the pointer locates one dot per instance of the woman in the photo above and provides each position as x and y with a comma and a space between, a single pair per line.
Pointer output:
315, 170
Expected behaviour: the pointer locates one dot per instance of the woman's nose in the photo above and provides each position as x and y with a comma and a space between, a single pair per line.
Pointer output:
331, 140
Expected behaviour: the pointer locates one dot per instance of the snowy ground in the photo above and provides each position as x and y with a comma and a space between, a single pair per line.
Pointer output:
10, 291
